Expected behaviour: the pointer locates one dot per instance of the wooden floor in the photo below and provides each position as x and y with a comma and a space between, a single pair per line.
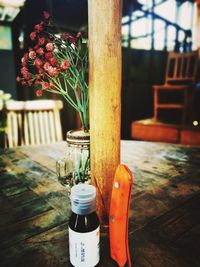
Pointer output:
150, 130
164, 226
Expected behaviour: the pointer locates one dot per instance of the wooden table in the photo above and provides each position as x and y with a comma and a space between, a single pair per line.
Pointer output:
165, 209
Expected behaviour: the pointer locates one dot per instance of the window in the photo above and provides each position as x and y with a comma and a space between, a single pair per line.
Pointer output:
167, 26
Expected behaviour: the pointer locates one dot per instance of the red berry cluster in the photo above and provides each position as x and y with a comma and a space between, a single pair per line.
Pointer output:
47, 60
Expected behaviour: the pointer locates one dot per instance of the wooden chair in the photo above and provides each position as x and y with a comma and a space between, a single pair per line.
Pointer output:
14, 128
33, 122
42, 123
180, 77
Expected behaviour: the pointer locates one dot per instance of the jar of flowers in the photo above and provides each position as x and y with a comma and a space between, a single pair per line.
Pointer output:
58, 63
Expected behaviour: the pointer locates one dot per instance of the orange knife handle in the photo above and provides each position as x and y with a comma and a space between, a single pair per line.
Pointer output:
118, 217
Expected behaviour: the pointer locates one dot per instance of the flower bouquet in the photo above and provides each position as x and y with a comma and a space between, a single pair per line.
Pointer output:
58, 63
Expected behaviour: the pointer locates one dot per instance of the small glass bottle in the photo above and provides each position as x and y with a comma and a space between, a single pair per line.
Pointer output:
74, 168
84, 228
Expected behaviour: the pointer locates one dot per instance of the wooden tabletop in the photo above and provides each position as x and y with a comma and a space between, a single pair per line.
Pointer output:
164, 228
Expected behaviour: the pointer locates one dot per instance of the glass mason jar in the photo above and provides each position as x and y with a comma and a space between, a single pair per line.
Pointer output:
74, 168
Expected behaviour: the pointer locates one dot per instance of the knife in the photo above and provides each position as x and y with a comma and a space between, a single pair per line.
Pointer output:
118, 215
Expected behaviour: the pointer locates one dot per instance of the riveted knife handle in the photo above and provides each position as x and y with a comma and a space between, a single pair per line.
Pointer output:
118, 216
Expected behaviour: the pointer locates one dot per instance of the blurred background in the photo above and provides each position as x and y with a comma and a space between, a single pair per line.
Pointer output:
150, 29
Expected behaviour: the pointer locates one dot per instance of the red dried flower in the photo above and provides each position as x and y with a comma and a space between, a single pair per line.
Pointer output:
45, 85
46, 15
41, 41
25, 56
72, 39
53, 61
29, 83
38, 63
40, 51
48, 55
46, 66
37, 82
33, 36
43, 75
41, 70
39, 93
49, 47
23, 70
24, 60
32, 55
26, 75
24, 83
52, 71
18, 79
39, 27
36, 47
37, 76
24, 63
79, 34
64, 36
65, 64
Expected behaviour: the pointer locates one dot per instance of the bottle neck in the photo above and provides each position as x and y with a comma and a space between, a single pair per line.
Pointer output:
84, 223
83, 209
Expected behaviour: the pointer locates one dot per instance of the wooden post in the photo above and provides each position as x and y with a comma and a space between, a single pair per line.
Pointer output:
105, 96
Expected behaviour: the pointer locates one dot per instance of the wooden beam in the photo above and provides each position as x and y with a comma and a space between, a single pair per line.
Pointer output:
105, 96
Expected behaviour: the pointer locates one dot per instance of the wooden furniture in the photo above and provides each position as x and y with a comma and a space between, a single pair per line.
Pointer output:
14, 128
190, 136
164, 224
33, 122
151, 130
179, 79
42, 124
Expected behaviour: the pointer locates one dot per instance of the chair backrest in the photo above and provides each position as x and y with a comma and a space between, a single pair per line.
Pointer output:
33, 122
14, 128
42, 123
181, 67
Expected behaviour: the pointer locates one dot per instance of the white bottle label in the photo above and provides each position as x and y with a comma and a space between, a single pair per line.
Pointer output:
84, 248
